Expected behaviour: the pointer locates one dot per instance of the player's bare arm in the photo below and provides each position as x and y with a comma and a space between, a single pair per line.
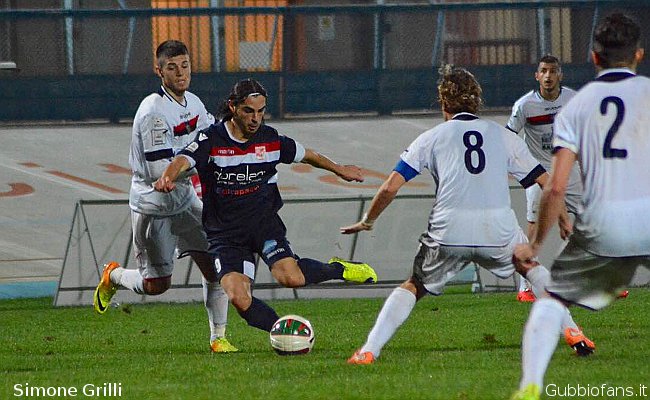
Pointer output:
166, 181
349, 173
564, 221
382, 199
551, 206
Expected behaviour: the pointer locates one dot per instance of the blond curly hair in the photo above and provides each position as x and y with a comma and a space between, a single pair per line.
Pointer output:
458, 90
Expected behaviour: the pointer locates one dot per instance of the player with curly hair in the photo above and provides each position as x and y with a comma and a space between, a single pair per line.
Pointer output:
471, 220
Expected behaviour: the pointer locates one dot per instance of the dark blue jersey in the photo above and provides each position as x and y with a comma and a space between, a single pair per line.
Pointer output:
239, 179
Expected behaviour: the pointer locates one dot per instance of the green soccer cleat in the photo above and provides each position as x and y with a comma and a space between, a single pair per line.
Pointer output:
105, 290
530, 392
356, 272
222, 345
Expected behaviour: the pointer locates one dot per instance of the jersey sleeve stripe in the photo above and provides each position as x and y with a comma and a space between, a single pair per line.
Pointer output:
559, 143
511, 130
158, 155
529, 180
405, 170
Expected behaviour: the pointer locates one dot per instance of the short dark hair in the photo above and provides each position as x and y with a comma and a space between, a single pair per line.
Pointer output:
169, 49
549, 59
458, 90
238, 94
616, 39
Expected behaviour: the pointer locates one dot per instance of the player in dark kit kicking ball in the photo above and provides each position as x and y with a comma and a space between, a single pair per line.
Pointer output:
236, 160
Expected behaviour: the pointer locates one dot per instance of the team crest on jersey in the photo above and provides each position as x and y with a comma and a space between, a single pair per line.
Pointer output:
260, 152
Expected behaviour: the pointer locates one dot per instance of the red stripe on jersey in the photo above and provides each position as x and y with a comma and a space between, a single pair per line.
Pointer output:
541, 119
186, 127
252, 149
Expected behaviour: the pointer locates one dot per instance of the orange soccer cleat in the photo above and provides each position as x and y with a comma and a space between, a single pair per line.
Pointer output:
360, 358
579, 342
526, 296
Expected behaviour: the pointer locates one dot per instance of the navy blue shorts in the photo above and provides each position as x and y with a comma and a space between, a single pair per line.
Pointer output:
238, 254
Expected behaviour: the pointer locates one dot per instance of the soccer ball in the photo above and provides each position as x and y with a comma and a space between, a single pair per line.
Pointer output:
292, 335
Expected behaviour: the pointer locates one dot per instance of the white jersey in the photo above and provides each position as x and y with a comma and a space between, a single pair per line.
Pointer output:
607, 125
470, 160
161, 128
534, 115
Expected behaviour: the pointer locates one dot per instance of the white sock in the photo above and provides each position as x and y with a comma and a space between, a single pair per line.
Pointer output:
540, 277
128, 278
523, 285
568, 322
541, 335
395, 311
216, 304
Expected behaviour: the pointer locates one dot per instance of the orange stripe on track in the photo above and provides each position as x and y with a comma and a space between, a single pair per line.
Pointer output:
17, 189
85, 182
116, 169
30, 164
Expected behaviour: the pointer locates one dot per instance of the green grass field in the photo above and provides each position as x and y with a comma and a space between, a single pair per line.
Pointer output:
457, 346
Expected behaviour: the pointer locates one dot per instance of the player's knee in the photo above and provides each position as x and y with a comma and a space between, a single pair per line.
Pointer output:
288, 273
240, 300
291, 280
414, 286
157, 286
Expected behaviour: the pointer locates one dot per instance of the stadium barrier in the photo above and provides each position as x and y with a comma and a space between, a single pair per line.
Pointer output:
101, 231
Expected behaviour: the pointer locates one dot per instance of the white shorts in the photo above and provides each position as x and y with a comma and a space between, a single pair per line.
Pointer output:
591, 281
573, 200
157, 240
436, 264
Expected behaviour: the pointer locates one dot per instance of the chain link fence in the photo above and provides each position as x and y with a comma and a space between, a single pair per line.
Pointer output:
320, 44
75, 37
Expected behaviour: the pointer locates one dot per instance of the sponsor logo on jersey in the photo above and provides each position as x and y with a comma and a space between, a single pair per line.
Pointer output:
192, 147
552, 108
269, 246
217, 265
158, 131
158, 137
220, 151
158, 123
239, 177
202, 136
237, 192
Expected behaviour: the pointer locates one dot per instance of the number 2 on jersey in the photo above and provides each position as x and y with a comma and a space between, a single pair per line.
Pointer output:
608, 150
474, 148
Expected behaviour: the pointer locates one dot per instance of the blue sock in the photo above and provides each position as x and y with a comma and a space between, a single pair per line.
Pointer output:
259, 315
316, 271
